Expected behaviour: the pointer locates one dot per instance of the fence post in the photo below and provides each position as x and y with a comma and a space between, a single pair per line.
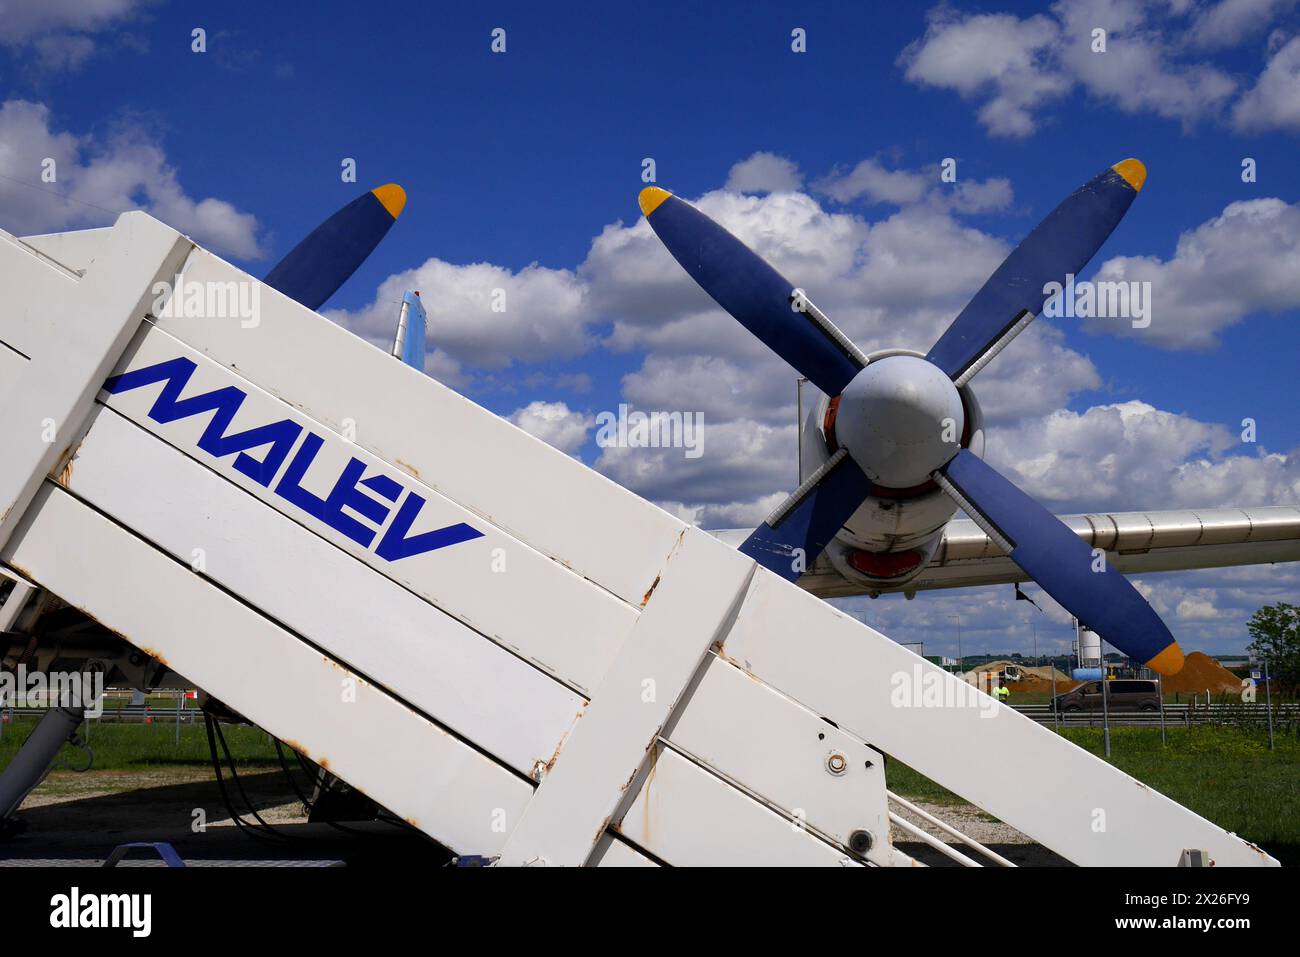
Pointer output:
1105, 708
1160, 691
1268, 698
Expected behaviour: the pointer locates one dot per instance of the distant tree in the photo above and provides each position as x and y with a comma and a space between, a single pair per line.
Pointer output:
1275, 634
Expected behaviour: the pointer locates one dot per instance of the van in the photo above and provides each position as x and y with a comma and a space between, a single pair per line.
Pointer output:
1123, 694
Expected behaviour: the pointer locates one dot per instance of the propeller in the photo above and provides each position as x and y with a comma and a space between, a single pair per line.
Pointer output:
794, 535
764, 301
1062, 563
1062, 243
900, 418
315, 268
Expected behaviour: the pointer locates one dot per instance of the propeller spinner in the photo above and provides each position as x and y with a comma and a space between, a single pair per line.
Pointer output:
900, 418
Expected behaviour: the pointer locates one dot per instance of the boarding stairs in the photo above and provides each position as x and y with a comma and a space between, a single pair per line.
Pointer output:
514, 654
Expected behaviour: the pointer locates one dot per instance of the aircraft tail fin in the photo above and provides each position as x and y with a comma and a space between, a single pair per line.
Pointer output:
412, 321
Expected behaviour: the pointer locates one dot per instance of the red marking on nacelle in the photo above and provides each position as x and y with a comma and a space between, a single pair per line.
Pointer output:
885, 564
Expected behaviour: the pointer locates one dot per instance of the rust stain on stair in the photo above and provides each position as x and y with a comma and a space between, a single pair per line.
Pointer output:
64, 474
297, 747
156, 655
653, 585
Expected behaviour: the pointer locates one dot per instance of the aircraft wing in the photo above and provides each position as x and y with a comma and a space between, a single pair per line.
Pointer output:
1135, 542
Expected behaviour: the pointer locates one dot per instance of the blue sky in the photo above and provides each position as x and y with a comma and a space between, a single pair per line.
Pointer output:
519, 164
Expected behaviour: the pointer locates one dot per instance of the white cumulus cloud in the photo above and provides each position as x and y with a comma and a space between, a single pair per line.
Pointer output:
1131, 455
1244, 261
1015, 68
60, 32
97, 179
1273, 103
764, 173
555, 424
483, 314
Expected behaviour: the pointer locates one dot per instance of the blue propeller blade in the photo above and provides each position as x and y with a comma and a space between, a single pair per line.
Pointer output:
826, 504
1062, 243
1062, 563
748, 288
317, 266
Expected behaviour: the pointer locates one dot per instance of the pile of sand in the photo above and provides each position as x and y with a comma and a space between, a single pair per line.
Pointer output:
1200, 672
1040, 671
1037, 679
1036, 685
1045, 673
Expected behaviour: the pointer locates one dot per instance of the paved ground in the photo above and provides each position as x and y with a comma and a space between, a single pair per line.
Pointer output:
77, 819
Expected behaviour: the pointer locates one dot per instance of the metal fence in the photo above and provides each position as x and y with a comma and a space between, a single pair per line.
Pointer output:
127, 714
168, 707
1285, 716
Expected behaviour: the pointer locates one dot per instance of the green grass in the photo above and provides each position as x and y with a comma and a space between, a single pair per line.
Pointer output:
1225, 774
915, 786
126, 746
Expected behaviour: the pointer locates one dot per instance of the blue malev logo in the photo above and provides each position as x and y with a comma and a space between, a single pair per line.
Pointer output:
281, 436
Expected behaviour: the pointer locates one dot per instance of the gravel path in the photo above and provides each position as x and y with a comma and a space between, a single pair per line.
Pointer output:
1001, 838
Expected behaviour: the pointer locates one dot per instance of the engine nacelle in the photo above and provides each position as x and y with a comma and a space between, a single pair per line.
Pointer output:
890, 523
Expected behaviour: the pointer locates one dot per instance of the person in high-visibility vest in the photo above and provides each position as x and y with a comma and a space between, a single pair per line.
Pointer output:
1002, 693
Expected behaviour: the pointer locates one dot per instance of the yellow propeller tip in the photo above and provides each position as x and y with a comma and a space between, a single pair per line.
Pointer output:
393, 197
1169, 661
1134, 173
651, 198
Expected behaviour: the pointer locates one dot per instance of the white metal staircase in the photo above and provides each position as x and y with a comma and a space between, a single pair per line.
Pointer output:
583, 680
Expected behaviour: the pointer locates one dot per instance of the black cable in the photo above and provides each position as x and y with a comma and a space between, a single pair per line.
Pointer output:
243, 825
284, 766
234, 776
264, 830
381, 815
302, 763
